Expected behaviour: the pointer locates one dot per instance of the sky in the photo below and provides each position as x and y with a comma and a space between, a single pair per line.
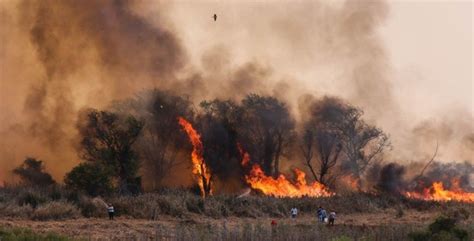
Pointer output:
430, 47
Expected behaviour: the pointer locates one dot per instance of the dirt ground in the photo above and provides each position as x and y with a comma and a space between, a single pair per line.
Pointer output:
122, 227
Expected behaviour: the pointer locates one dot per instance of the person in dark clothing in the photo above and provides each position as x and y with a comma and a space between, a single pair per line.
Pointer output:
324, 215
111, 211
319, 213
332, 218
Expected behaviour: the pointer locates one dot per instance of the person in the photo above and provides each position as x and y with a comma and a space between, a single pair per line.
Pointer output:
323, 215
111, 211
332, 217
319, 213
294, 212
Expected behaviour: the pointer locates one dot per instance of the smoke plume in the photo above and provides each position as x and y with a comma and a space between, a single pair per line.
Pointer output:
58, 57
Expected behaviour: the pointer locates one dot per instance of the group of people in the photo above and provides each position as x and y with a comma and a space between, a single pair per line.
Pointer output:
321, 214
324, 217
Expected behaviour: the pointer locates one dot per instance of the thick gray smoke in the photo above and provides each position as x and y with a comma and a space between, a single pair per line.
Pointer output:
58, 57
87, 53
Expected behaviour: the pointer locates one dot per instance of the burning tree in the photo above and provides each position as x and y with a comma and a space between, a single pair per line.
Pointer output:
281, 186
361, 144
200, 169
266, 129
218, 124
107, 140
443, 182
159, 144
326, 147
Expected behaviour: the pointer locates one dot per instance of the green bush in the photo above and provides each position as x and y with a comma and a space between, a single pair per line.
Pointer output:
92, 179
442, 229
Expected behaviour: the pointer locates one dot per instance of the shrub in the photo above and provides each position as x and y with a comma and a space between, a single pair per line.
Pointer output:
442, 229
13, 210
22, 234
90, 207
90, 178
342, 238
442, 224
55, 211
31, 198
55, 193
32, 173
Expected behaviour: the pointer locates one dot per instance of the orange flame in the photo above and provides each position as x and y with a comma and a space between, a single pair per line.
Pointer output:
200, 170
351, 182
245, 156
281, 186
437, 192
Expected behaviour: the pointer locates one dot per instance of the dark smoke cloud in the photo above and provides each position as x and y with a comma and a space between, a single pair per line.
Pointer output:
394, 178
127, 48
449, 172
84, 48
62, 56
391, 178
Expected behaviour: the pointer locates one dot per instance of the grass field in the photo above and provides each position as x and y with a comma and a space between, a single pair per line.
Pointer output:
182, 215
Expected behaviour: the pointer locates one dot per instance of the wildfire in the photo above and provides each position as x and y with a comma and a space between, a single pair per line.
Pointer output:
437, 192
281, 186
351, 182
200, 170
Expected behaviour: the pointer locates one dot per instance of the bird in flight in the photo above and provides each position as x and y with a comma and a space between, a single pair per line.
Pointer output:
215, 17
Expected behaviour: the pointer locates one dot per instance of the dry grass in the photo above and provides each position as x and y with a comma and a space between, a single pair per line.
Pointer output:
55, 211
56, 203
199, 227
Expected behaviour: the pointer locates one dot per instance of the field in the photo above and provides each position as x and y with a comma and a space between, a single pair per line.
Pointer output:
182, 215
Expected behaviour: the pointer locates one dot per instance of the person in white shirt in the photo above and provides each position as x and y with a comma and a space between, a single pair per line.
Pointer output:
294, 212
111, 211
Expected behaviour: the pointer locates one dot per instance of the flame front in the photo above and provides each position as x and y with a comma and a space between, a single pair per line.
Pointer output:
351, 182
437, 192
200, 170
281, 186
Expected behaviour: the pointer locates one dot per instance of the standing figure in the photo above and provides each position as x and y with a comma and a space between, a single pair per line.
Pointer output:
294, 212
324, 215
111, 211
318, 213
215, 17
332, 217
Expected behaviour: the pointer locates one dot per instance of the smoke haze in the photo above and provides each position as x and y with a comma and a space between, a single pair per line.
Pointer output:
58, 57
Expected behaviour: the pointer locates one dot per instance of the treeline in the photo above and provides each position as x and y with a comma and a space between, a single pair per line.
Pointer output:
139, 140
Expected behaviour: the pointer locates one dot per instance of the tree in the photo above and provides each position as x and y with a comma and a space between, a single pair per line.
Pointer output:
218, 127
91, 178
361, 143
32, 173
267, 129
326, 146
307, 149
160, 143
107, 140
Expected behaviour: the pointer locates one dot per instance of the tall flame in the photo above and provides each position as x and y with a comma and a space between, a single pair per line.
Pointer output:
281, 186
437, 192
200, 170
